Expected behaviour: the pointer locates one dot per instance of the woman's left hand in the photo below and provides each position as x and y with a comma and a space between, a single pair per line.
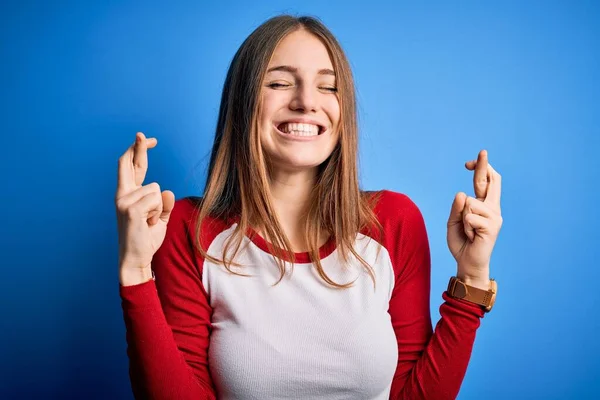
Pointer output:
474, 224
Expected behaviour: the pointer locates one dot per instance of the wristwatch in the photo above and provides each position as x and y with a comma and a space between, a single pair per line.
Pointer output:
485, 298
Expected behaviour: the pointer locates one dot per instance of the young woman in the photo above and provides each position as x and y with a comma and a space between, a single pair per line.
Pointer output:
285, 280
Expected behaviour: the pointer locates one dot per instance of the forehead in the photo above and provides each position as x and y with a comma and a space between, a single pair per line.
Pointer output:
302, 50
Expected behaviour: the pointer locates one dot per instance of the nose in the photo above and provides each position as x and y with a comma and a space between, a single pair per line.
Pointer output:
304, 100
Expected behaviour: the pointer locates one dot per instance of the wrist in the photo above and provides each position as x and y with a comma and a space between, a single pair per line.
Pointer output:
484, 294
480, 283
135, 276
474, 276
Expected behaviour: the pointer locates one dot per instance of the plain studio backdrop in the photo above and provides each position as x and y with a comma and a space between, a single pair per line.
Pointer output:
436, 81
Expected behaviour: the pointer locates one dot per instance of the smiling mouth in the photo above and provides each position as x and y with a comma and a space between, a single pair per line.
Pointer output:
300, 129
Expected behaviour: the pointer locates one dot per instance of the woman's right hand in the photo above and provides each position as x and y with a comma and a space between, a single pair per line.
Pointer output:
142, 213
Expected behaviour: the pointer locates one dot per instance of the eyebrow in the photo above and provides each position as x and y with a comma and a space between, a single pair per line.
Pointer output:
290, 69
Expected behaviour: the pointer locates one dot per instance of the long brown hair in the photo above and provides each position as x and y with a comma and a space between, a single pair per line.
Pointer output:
237, 186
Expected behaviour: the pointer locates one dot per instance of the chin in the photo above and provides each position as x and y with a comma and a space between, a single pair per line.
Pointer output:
297, 162
289, 155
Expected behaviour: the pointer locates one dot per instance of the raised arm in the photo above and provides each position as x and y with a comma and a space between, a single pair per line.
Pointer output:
431, 365
168, 320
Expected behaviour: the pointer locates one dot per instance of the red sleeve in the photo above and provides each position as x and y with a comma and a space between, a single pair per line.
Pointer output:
168, 320
431, 365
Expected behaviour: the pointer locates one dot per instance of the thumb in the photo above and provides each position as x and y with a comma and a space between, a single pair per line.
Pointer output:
168, 199
457, 209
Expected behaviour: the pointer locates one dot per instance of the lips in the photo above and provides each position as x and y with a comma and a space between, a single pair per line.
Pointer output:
300, 125
298, 137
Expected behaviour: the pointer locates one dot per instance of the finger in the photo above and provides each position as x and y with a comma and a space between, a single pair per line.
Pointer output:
149, 205
168, 198
125, 177
457, 209
126, 172
475, 225
468, 229
140, 158
475, 206
480, 177
494, 189
125, 202
154, 215
168, 202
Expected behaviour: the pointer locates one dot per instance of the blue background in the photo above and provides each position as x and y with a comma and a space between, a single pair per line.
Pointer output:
437, 81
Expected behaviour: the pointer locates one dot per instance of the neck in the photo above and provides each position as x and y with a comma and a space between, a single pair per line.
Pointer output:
290, 195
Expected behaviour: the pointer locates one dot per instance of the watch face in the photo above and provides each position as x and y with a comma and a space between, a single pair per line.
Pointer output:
460, 290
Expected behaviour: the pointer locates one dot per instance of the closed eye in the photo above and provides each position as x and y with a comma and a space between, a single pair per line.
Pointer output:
276, 85
329, 89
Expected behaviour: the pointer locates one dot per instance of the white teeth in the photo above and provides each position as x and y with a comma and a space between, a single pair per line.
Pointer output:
300, 129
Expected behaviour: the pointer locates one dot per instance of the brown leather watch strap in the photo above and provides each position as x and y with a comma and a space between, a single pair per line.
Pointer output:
460, 290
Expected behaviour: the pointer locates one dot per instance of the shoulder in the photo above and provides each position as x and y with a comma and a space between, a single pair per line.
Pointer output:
394, 207
402, 223
184, 215
183, 223
185, 208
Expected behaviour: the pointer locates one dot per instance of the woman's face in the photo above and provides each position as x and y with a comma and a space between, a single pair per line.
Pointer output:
300, 107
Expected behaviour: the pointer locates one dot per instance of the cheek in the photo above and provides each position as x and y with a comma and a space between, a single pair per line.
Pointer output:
271, 103
332, 108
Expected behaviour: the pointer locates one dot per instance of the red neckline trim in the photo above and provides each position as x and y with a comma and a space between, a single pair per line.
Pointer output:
303, 257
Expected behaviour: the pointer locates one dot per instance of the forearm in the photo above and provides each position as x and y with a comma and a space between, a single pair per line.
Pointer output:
158, 369
440, 370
